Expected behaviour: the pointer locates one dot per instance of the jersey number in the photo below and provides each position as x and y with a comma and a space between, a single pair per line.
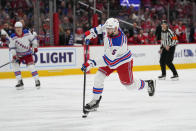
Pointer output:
114, 52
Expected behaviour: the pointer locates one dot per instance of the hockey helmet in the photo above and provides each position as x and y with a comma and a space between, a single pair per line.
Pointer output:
18, 24
3, 32
112, 23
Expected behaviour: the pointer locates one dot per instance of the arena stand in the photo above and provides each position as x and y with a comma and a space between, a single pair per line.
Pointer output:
147, 19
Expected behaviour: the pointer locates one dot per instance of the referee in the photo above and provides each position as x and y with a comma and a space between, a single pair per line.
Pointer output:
168, 45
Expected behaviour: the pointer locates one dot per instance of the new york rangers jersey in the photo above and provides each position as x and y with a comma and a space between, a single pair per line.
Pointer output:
21, 45
116, 51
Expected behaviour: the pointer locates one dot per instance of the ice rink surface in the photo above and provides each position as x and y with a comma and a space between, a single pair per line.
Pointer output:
57, 106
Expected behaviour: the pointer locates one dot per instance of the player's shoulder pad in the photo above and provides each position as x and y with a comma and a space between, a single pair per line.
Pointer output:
25, 31
102, 25
13, 35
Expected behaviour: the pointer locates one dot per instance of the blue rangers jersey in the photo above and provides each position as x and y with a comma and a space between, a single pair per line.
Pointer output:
116, 51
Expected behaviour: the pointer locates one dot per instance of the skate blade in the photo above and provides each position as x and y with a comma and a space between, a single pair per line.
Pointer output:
174, 79
38, 87
20, 88
162, 78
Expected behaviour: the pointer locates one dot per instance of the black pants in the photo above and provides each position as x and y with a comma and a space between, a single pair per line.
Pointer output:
166, 59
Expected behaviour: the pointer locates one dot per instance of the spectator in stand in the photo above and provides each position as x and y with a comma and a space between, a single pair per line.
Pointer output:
8, 29
158, 32
134, 30
62, 8
24, 25
153, 14
4, 39
151, 37
62, 32
141, 37
66, 23
133, 39
192, 36
84, 21
160, 8
152, 26
181, 32
70, 10
61, 35
68, 37
44, 37
134, 16
100, 5
79, 36
146, 23
174, 26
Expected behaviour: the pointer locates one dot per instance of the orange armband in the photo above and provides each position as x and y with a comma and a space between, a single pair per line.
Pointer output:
174, 38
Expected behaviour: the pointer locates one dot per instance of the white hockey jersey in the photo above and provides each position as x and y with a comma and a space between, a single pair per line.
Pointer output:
116, 51
21, 45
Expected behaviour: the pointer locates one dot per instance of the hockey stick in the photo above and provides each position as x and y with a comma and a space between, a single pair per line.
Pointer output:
85, 113
5, 64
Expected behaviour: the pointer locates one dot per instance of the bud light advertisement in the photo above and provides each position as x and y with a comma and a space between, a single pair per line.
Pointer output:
54, 57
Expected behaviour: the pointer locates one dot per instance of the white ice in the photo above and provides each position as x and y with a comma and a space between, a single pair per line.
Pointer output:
57, 106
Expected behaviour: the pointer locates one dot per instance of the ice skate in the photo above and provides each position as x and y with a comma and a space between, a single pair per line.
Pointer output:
175, 78
162, 77
37, 84
93, 105
151, 87
20, 85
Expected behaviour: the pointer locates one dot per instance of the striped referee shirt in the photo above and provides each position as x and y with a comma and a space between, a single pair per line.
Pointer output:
168, 38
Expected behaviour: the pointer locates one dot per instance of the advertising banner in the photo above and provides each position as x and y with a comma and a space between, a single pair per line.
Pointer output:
185, 53
68, 60
49, 58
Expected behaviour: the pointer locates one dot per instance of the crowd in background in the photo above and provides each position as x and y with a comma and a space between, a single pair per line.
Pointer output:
146, 21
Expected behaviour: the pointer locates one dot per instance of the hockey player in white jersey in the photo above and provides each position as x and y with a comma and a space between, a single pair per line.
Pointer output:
21, 50
117, 57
